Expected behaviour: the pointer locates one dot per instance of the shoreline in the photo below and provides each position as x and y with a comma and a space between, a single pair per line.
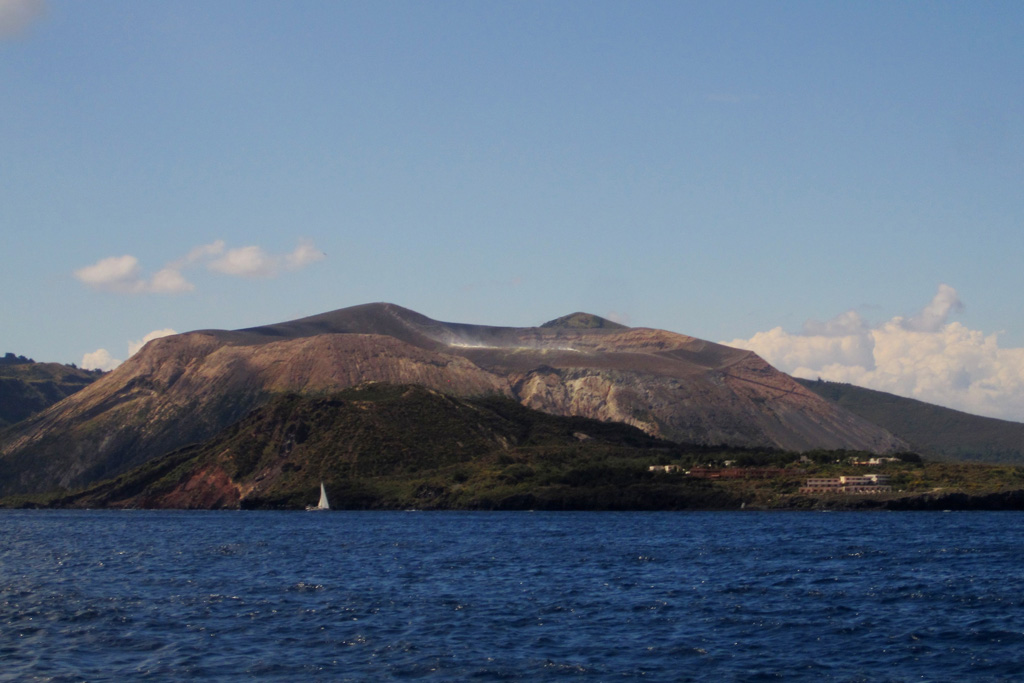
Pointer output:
1008, 500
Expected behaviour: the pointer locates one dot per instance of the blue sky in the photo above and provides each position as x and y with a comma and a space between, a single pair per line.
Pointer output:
796, 177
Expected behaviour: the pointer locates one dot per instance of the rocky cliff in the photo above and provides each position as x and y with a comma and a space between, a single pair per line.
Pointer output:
185, 388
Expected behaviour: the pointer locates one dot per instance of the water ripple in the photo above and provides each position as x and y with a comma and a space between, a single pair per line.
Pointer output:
104, 596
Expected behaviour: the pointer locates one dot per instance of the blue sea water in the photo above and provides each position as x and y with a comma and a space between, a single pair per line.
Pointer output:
488, 596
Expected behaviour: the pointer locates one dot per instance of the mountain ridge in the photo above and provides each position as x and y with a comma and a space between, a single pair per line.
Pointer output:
184, 388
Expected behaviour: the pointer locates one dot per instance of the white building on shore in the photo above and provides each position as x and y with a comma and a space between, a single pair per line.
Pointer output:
864, 483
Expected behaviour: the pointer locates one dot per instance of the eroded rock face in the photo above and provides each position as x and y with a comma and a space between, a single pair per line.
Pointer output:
721, 409
185, 388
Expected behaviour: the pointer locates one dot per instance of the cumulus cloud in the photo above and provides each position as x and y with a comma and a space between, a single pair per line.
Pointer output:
101, 359
115, 274
923, 356
935, 314
17, 15
245, 262
254, 262
123, 274
305, 254
844, 324
168, 281
197, 254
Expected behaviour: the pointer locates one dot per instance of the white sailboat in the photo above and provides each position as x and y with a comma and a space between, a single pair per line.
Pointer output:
323, 504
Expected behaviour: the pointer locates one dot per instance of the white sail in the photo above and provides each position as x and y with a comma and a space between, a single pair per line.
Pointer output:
323, 504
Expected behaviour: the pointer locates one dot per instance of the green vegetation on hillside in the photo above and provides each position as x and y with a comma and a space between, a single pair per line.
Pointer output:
27, 387
397, 447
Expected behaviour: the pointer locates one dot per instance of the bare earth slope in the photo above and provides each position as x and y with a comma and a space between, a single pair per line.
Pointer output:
934, 431
185, 388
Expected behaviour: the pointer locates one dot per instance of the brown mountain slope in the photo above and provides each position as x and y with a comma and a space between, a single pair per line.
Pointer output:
935, 432
185, 388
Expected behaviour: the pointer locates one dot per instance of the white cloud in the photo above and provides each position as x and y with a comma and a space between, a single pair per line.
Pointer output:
206, 250
253, 261
100, 359
200, 253
169, 281
305, 254
844, 324
245, 262
17, 15
134, 346
115, 274
923, 357
935, 314
123, 274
